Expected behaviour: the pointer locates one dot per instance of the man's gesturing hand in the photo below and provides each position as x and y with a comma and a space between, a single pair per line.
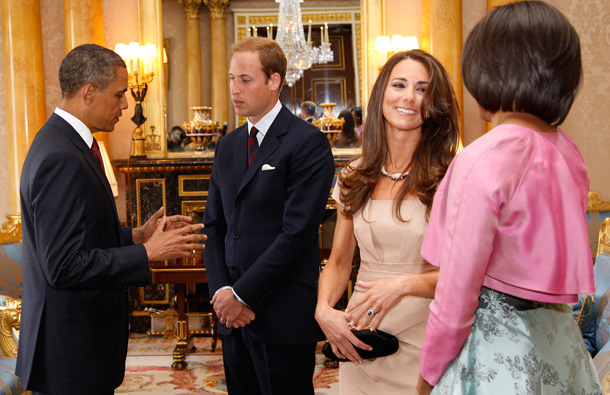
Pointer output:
169, 242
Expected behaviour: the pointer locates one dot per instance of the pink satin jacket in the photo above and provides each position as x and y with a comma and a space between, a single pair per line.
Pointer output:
510, 215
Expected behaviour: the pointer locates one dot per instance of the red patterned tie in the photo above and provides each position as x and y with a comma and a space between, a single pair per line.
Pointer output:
252, 144
96, 151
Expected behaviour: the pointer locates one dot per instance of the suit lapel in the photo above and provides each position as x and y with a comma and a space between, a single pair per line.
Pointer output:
270, 144
240, 154
88, 156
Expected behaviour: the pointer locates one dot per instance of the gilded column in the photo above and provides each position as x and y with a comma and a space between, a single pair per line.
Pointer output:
373, 22
193, 55
442, 37
25, 95
220, 81
83, 24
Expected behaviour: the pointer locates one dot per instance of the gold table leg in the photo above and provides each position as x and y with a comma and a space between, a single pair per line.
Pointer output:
184, 342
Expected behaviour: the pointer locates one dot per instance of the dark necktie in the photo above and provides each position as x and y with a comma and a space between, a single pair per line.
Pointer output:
95, 148
252, 144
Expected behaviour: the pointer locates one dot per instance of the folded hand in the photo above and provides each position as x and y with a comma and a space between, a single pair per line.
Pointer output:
230, 311
246, 317
334, 324
381, 296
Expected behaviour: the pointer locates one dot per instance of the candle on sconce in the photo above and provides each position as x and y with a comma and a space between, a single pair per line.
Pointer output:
255, 32
322, 34
133, 52
309, 35
326, 31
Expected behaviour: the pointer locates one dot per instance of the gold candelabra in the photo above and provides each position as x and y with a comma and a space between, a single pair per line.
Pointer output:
138, 85
140, 66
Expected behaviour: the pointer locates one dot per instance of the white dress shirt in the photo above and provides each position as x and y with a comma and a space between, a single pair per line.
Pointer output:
265, 122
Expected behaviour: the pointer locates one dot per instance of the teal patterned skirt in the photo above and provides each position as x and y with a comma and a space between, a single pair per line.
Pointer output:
521, 347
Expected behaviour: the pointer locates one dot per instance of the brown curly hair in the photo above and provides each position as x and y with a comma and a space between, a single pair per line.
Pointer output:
437, 146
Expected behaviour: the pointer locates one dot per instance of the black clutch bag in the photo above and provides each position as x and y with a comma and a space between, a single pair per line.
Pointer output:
382, 342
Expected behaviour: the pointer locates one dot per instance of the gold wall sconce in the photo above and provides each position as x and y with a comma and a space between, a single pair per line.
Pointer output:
396, 43
140, 62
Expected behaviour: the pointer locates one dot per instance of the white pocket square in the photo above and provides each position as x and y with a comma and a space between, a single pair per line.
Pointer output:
267, 167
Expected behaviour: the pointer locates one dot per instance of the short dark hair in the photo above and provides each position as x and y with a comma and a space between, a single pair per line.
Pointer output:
309, 107
524, 57
88, 64
179, 129
270, 54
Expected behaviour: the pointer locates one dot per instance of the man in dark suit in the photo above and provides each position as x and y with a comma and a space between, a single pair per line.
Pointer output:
264, 207
308, 111
77, 260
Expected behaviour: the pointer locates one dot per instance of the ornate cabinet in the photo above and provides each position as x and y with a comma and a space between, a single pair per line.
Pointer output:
180, 186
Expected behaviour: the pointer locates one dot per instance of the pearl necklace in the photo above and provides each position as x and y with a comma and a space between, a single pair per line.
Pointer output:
394, 176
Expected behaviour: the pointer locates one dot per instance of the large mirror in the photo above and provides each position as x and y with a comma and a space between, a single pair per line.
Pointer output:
162, 22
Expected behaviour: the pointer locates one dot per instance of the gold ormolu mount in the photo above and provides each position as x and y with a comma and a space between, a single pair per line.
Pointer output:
11, 230
329, 124
10, 316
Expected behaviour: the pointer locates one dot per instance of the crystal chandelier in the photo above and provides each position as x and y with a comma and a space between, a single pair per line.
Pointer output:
300, 54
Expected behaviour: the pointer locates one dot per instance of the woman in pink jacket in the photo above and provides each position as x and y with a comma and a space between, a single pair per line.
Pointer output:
508, 224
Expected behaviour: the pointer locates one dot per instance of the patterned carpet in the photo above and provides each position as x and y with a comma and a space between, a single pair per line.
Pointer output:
148, 370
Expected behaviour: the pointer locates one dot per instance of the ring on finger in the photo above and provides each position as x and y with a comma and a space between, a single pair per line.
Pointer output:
370, 313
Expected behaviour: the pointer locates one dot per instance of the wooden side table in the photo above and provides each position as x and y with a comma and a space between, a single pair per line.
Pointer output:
181, 274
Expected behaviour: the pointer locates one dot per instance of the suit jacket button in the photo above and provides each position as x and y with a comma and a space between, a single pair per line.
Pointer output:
235, 236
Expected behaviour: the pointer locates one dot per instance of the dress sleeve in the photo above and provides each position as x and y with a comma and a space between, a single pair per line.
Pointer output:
462, 227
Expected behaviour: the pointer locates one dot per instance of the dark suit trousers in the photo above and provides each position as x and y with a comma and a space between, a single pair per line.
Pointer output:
255, 368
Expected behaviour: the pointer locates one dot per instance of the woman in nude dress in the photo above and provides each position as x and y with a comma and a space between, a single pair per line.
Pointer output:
383, 200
